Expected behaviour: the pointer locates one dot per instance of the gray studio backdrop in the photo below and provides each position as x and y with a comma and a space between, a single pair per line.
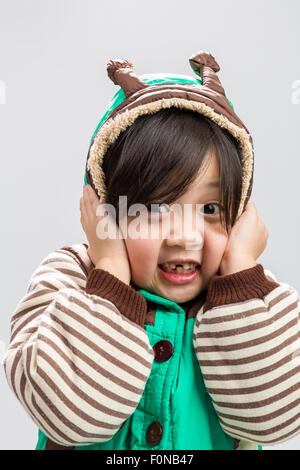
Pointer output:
54, 87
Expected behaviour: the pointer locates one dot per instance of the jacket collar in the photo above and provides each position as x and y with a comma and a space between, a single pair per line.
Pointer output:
190, 307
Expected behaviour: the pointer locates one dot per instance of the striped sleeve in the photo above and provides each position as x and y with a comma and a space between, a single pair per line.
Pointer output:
78, 361
247, 342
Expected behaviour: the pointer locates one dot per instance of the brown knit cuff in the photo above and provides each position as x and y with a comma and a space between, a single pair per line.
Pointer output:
247, 284
127, 300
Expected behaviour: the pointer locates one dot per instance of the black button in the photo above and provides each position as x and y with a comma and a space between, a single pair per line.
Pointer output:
154, 433
163, 350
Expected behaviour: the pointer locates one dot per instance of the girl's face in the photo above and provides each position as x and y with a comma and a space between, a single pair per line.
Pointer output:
211, 237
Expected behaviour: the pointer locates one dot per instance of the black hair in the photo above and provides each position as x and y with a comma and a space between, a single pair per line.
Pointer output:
159, 155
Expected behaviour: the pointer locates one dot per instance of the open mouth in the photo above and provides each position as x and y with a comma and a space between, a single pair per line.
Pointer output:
179, 275
180, 269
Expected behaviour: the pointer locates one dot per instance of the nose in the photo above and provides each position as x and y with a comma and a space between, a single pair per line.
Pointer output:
186, 229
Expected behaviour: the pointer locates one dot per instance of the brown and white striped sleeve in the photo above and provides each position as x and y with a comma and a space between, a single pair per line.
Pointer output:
79, 356
247, 342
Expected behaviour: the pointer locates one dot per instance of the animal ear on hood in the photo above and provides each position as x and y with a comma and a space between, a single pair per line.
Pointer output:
206, 66
121, 73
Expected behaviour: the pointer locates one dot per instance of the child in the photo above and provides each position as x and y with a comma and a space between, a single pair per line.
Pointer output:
113, 346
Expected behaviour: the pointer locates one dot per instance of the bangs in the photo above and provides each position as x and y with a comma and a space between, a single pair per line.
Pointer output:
159, 156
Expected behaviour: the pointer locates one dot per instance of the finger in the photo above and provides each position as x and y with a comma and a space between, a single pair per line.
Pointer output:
86, 213
88, 202
81, 205
91, 193
84, 203
252, 209
82, 209
91, 198
250, 205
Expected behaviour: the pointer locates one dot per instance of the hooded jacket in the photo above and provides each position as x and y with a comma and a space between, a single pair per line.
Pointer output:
99, 364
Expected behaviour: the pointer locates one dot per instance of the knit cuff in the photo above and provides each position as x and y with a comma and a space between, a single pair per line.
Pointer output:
127, 300
244, 285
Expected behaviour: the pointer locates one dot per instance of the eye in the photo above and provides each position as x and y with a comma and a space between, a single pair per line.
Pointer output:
211, 209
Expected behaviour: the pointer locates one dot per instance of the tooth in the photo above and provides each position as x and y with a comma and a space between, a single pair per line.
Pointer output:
188, 266
164, 267
168, 266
